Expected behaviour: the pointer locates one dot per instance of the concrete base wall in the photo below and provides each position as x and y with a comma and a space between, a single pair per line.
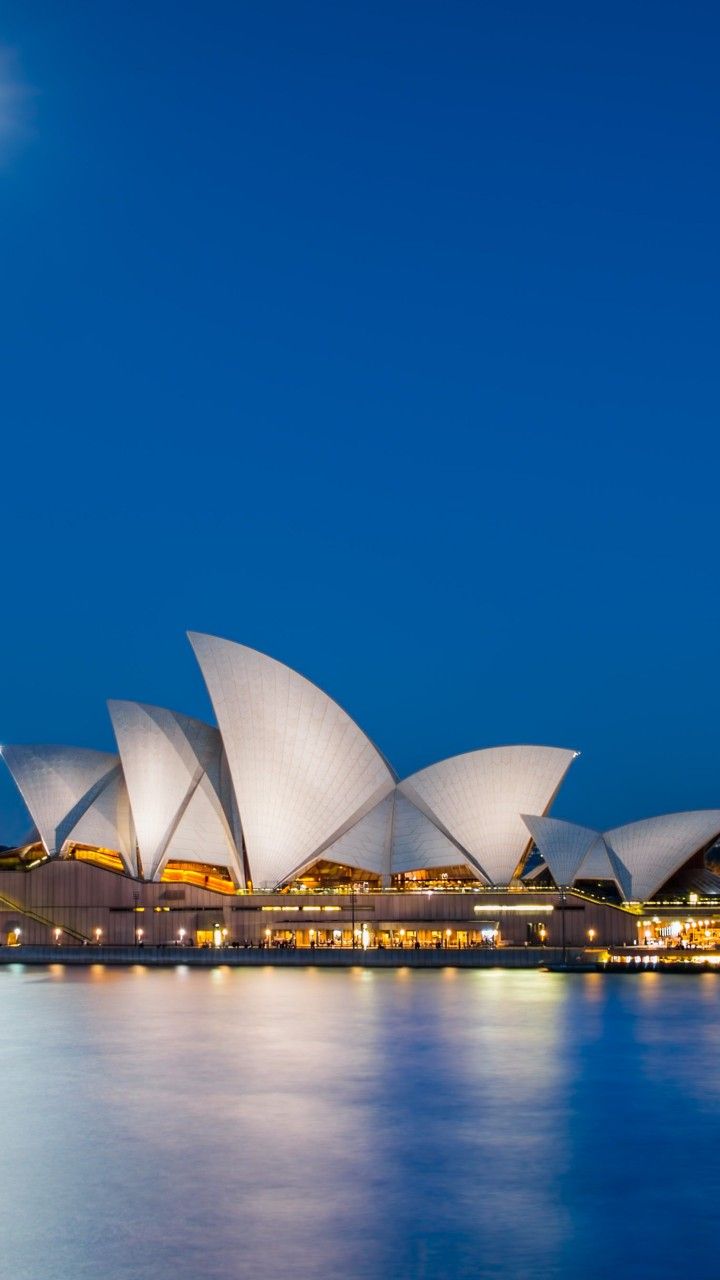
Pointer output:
79, 898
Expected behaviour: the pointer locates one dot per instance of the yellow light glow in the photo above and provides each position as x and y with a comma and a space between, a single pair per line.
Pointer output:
538, 909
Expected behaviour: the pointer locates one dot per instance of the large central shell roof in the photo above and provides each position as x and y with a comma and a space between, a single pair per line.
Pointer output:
302, 770
478, 800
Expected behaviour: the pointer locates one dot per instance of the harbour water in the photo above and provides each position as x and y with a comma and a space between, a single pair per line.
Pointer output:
179, 1124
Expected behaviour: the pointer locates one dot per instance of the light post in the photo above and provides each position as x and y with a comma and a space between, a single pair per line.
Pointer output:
138, 936
98, 936
17, 931
58, 933
181, 936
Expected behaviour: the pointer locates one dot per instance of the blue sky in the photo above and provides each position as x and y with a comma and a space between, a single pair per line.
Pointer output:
381, 337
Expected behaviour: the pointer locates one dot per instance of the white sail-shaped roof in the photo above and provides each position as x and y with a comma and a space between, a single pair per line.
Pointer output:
563, 845
395, 837
368, 844
477, 799
107, 823
639, 857
576, 853
203, 835
165, 757
58, 785
596, 864
653, 849
419, 845
602, 863
302, 770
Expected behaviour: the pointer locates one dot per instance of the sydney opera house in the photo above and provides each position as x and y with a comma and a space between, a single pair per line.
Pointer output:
283, 824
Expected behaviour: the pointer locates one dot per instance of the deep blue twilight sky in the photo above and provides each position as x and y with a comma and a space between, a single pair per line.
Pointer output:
382, 337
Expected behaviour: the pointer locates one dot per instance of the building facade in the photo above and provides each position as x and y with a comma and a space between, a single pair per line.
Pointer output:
285, 823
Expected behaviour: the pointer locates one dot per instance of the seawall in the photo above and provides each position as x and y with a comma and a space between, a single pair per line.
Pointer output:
302, 957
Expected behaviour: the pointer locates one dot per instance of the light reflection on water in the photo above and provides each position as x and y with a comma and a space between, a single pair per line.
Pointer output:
232, 1123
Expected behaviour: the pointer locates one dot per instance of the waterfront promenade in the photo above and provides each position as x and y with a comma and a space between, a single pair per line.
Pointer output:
300, 957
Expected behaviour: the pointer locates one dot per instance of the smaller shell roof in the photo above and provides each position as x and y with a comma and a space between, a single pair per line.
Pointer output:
563, 845
393, 838
477, 800
654, 848
172, 766
59, 785
639, 856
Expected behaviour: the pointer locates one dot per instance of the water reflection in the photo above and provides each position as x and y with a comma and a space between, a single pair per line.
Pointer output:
183, 1123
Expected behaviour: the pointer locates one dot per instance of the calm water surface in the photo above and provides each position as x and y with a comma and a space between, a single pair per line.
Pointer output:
182, 1124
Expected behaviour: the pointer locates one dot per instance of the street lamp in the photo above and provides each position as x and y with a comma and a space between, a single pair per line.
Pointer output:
98, 935
17, 931
138, 936
563, 891
224, 937
57, 936
591, 934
